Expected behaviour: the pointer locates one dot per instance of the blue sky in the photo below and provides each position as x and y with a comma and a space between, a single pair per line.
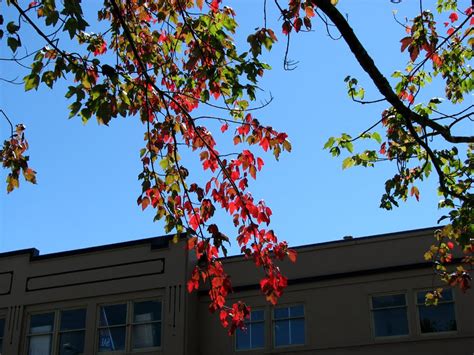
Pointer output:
87, 174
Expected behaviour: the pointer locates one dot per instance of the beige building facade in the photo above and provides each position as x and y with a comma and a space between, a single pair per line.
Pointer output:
353, 296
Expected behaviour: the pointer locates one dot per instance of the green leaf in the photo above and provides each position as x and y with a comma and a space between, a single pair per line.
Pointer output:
347, 163
13, 43
329, 143
31, 82
377, 137
12, 27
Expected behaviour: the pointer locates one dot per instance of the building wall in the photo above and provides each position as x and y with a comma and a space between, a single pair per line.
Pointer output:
148, 270
333, 281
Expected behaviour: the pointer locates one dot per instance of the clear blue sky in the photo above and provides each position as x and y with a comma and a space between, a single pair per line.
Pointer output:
87, 175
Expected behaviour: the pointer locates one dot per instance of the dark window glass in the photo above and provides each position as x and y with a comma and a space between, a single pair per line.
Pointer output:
282, 332
281, 313
112, 339
71, 343
253, 336
147, 324
446, 295
146, 335
40, 345
390, 322
113, 315
2, 329
388, 301
147, 311
41, 323
73, 319
390, 315
439, 318
289, 326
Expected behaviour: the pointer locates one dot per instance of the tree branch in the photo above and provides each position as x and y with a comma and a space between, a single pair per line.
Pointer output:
382, 84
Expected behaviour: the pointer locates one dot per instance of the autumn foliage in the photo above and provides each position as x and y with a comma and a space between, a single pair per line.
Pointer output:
160, 61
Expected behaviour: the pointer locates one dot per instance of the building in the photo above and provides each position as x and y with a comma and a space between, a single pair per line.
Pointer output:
353, 296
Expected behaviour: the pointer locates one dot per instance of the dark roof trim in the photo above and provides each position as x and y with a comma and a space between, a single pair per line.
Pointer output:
31, 251
155, 243
355, 239
342, 275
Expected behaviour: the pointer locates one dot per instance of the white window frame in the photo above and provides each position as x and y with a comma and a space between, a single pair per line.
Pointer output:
289, 318
248, 324
129, 325
441, 301
373, 310
56, 331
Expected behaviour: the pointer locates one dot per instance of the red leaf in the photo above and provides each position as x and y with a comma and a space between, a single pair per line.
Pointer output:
292, 255
453, 17
194, 220
405, 43
145, 203
309, 11
260, 163
450, 245
191, 243
298, 22
286, 28
224, 127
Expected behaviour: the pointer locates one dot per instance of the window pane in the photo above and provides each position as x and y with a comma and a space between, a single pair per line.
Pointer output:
297, 311
2, 327
41, 323
446, 295
297, 331
73, 319
113, 315
146, 311
388, 301
257, 335
71, 343
146, 335
282, 332
256, 315
281, 313
111, 339
40, 345
438, 318
243, 338
390, 322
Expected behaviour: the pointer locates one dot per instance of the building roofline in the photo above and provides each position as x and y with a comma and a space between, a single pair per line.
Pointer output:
159, 242
353, 240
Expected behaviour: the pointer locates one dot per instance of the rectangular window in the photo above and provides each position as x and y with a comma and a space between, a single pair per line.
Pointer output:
57, 332
439, 318
2, 329
72, 330
253, 336
41, 333
134, 323
389, 314
288, 326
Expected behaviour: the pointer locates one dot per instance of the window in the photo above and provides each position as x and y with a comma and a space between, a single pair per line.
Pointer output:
2, 329
140, 321
58, 332
389, 315
439, 318
288, 326
253, 336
